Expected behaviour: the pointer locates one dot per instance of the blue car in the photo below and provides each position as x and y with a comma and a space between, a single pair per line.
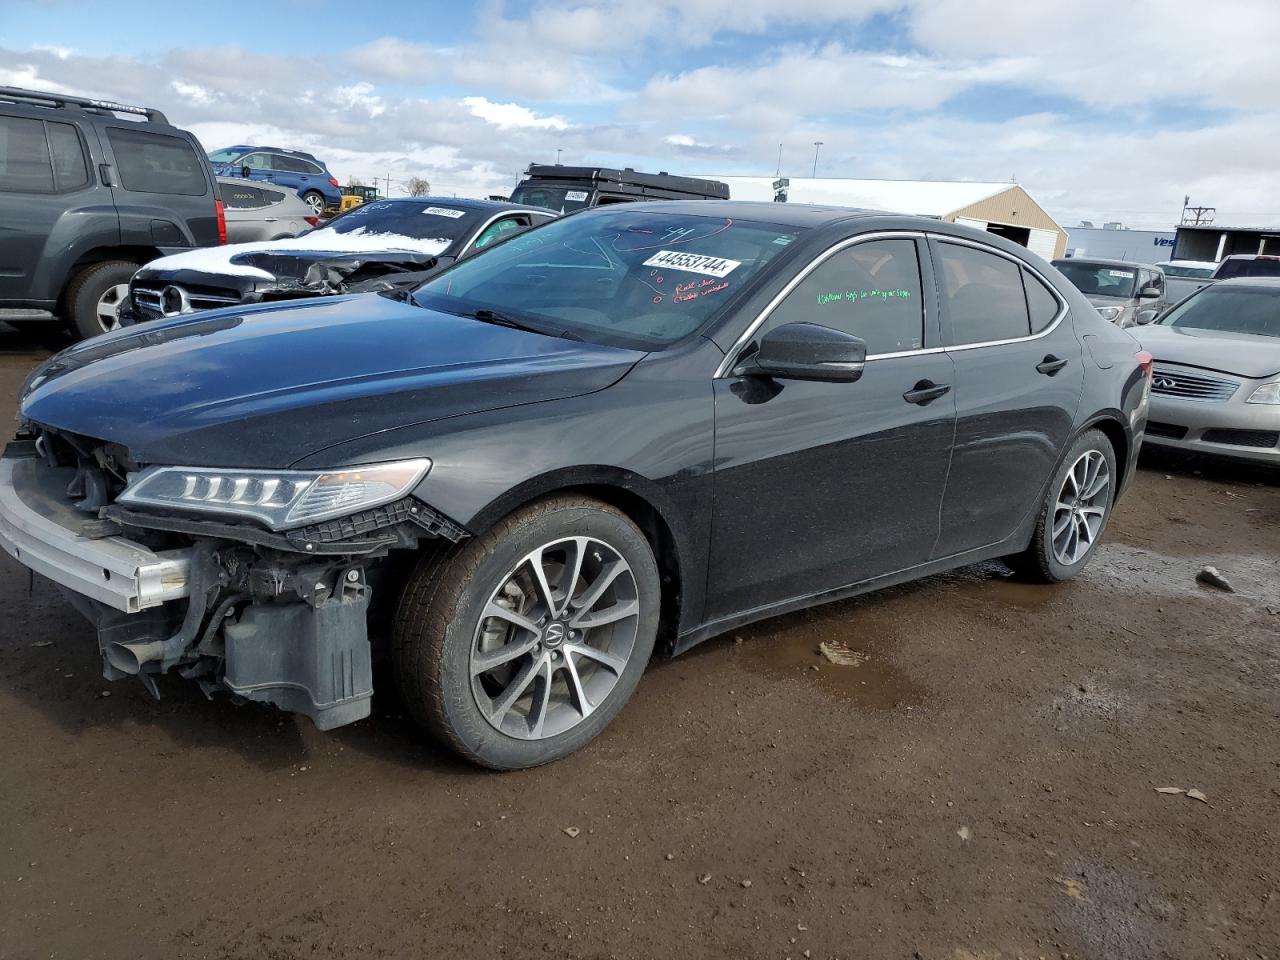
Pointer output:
288, 168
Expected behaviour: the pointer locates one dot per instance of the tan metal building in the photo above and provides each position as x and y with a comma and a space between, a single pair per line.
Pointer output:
1001, 208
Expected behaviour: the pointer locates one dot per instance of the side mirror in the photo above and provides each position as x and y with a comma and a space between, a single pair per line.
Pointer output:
244, 172
1143, 319
1150, 292
806, 351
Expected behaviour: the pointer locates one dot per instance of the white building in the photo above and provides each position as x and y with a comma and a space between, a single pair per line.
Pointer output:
1005, 209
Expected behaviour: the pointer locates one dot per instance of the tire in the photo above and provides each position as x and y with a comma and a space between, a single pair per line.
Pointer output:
315, 200
1054, 555
89, 292
445, 638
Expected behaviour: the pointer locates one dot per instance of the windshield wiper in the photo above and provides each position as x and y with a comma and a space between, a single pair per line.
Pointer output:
502, 320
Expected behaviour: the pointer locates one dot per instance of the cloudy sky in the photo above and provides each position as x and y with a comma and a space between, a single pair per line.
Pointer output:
1103, 109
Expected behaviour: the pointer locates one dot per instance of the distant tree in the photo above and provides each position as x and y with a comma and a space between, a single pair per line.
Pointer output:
355, 182
417, 187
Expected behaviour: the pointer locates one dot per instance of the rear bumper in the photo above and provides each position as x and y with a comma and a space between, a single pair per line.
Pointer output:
114, 571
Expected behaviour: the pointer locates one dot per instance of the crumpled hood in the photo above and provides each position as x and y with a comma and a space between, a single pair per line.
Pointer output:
1241, 354
267, 386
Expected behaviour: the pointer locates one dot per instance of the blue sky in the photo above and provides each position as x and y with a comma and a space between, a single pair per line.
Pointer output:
1103, 111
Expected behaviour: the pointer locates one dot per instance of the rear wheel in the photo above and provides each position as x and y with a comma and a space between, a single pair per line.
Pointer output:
96, 295
315, 200
1074, 513
521, 646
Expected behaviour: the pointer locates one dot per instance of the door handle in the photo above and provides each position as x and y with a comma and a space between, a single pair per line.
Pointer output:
926, 391
1050, 365
270, 219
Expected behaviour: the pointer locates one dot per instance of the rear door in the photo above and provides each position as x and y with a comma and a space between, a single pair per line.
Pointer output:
163, 187
45, 171
287, 171
1018, 378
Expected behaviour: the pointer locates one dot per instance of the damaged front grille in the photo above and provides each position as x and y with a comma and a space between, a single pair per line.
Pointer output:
171, 300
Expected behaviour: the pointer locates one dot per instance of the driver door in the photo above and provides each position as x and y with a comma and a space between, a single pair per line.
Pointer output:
821, 485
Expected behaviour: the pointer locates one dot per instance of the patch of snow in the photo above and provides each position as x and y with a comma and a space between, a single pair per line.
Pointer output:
324, 240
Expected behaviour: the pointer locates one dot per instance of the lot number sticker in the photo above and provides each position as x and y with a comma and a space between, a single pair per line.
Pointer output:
444, 212
576, 195
1122, 274
693, 263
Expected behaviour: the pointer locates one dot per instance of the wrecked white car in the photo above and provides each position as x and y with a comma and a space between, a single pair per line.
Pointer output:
378, 246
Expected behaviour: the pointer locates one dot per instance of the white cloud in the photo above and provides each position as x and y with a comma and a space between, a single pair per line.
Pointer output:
504, 116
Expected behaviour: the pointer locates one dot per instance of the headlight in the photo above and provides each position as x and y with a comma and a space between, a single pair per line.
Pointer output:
1267, 393
1110, 314
281, 499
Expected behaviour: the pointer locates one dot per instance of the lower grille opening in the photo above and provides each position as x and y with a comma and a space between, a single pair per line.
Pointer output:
1170, 431
1243, 438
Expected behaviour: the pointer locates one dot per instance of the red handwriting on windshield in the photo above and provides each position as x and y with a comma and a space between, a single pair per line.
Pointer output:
694, 289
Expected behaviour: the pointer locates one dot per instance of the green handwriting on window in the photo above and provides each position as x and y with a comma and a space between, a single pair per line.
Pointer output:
836, 296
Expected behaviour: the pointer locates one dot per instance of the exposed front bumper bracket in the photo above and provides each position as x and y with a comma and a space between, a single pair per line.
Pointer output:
40, 533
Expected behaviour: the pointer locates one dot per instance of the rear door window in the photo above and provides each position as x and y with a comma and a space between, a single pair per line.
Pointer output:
155, 163
288, 164
871, 290
982, 293
70, 166
24, 156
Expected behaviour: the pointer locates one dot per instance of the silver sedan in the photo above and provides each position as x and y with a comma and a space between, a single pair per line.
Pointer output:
258, 211
1216, 383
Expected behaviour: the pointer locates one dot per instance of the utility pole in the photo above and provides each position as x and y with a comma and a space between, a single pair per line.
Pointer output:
557, 156
817, 145
779, 173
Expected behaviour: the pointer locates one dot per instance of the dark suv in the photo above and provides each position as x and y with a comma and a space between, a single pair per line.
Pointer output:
566, 189
86, 196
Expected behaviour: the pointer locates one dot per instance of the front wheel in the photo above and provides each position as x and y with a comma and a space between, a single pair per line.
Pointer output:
521, 646
1074, 513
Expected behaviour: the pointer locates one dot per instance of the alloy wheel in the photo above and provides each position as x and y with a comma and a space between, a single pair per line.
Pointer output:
315, 202
109, 304
1081, 507
554, 638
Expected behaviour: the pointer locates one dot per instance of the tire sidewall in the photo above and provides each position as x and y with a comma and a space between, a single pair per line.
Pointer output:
494, 563
89, 288
1089, 440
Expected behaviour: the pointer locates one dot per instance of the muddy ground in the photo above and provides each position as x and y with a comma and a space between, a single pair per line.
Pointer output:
983, 786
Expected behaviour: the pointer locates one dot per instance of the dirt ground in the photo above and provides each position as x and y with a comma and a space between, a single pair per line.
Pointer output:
983, 786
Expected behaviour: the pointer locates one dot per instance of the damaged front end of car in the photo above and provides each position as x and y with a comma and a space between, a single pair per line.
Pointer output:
254, 583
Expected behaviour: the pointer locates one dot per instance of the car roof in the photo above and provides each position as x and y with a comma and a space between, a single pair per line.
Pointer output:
784, 214
249, 147
1266, 283
1104, 261
1188, 263
1252, 256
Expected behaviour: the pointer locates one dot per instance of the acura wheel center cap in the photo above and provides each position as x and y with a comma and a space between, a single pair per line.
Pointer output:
554, 634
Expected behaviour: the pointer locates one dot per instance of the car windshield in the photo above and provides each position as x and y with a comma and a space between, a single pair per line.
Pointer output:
1251, 310
562, 198
1191, 273
225, 156
1249, 267
627, 276
1099, 279
419, 219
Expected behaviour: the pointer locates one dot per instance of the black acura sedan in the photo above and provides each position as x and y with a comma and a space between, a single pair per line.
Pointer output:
622, 432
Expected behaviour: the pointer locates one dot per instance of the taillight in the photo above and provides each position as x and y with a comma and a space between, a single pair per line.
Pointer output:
314, 221
222, 222
333, 182
1145, 363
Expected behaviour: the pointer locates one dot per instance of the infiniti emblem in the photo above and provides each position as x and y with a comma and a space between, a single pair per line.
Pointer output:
173, 301
1164, 383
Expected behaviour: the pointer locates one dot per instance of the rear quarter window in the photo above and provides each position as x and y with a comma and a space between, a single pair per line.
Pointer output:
983, 294
156, 163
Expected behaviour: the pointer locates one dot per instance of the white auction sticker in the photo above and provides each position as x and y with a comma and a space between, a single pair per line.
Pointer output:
444, 212
576, 195
693, 263
1122, 274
